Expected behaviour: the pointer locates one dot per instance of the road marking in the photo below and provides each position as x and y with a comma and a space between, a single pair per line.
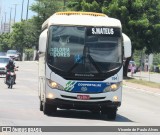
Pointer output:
142, 90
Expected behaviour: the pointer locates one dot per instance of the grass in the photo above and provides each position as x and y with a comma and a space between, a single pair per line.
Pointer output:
143, 82
154, 73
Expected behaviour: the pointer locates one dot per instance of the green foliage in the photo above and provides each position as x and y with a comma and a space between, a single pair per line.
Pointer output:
140, 21
139, 18
45, 8
5, 42
91, 7
145, 83
17, 37
29, 53
156, 59
74, 5
23, 35
137, 56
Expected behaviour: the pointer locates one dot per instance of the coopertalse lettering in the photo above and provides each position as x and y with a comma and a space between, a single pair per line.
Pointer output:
89, 85
102, 31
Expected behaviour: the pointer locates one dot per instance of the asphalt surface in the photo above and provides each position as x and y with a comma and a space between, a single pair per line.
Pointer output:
20, 106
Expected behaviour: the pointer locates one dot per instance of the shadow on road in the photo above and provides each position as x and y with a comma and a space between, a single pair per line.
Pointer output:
87, 115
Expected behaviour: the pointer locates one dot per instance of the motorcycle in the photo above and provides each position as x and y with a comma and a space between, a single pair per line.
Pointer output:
11, 78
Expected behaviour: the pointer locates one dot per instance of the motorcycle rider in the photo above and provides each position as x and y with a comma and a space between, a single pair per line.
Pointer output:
10, 67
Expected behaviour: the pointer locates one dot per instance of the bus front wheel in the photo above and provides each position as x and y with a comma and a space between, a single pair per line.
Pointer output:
49, 109
111, 112
41, 106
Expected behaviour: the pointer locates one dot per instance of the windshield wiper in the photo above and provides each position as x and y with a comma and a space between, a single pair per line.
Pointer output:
90, 59
93, 63
85, 55
77, 62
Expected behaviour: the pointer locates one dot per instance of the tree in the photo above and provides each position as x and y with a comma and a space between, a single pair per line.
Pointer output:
139, 18
44, 9
17, 37
30, 39
156, 60
140, 21
5, 42
23, 35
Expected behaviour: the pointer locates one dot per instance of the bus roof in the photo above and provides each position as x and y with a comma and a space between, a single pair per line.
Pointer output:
81, 19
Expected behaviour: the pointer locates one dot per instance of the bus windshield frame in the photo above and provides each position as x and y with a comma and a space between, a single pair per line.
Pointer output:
75, 52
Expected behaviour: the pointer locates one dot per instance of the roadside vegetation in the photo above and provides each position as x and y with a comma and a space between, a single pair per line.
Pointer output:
143, 82
139, 18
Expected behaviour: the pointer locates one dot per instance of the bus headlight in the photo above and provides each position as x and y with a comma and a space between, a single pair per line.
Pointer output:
54, 85
113, 87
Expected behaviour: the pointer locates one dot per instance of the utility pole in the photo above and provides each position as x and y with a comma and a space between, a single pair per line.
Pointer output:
15, 12
22, 10
5, 14
2, 25
0, 8
27, 10
10, 19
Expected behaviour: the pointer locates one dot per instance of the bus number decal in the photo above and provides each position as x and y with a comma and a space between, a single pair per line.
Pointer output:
114, 78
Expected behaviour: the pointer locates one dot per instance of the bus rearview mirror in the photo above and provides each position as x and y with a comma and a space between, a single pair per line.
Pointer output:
127, 46
43, 41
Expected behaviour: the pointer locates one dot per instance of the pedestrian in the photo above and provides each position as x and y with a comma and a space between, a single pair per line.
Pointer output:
132, 69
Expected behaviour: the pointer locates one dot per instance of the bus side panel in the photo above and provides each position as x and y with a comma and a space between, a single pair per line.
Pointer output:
41, 76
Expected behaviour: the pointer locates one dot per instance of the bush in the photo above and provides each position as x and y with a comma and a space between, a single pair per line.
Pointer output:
29, 54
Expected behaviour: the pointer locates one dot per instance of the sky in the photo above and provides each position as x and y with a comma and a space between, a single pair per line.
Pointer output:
6, 5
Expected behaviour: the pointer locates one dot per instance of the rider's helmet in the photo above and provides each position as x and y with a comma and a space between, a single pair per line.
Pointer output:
11, 61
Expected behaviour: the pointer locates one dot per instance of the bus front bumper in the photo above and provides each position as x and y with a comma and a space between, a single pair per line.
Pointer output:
83, 105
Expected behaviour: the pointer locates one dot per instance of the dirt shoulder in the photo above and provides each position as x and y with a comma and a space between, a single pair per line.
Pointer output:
142, 87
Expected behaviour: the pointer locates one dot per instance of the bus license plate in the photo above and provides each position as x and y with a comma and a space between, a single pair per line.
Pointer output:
83, 97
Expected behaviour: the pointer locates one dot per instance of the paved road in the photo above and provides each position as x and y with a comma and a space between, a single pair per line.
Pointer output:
20, 106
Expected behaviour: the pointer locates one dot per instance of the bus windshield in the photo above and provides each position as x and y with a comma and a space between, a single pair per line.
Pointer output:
84, 50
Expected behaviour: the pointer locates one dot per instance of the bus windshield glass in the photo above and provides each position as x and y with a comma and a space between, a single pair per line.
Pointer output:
84, 49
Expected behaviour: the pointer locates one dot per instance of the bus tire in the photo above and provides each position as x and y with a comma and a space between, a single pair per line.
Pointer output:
112, 113
41, 106
47, 109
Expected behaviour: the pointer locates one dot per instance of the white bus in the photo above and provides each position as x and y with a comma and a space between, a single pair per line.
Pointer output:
81, 63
